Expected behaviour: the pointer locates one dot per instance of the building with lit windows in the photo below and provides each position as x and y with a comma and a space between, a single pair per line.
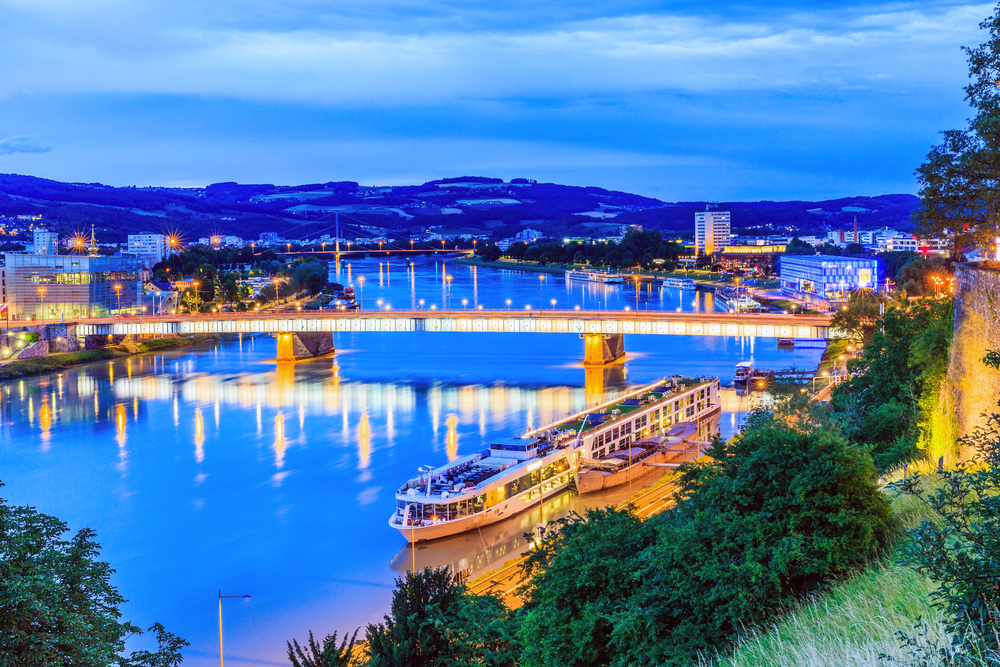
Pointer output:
748, 256
46, 242
150, 248
711, 231
70, 286
826, 280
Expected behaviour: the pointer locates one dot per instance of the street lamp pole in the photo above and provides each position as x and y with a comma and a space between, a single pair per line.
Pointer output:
637, 295
41, 295
541, 297
361, 303
447, 280
221, 596
118, 293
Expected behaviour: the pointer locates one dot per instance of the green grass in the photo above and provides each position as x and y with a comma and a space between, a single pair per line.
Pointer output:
856, 621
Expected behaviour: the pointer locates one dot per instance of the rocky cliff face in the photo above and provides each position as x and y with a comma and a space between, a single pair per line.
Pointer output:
975, 386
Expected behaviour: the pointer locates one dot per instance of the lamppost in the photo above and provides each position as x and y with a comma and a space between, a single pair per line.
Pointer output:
636, 295
541, 298
361, 301
508, 304
465, 302
118, 293
41, 295
447, 280
196, 283
221, 596
553, 302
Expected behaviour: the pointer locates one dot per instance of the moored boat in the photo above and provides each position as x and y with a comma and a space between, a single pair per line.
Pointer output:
592, 276
744, 372
513, 474
679, 283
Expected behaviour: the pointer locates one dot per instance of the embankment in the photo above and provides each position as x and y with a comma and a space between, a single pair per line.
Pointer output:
56, 362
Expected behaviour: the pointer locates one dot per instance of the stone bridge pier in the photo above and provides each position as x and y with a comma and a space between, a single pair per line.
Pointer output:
602, 349
303, 345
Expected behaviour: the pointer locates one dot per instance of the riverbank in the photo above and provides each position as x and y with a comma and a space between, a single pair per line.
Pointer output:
19, 368
514, 266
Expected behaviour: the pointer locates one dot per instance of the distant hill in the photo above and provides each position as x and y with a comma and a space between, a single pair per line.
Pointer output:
470, 202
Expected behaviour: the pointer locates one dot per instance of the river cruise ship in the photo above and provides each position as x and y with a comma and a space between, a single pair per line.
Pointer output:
679, 283
592, 276
514, 474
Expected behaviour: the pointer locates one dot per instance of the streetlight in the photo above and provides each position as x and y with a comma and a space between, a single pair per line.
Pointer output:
361, 301
553, 302
508, 304
221, 596
541, 298
41, 295
420, 303
465, 302
196, 283
447, 280
636, 293
118, 293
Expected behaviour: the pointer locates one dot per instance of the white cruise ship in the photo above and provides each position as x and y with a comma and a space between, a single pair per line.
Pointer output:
592, 276
679, 283
514, 474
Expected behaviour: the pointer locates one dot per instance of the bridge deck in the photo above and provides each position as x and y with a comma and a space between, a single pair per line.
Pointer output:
472, 321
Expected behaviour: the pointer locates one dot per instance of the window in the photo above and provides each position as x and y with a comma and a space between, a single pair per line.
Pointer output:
614, 434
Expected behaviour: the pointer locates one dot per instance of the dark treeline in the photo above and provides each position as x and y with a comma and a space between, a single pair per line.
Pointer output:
636, 249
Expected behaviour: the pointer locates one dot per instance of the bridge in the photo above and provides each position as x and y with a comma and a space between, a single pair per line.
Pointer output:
304, 334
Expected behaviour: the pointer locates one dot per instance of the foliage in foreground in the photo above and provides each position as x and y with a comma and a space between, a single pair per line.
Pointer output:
960, 547
57, 604
894, 388
770, 516
326, 653
436, 622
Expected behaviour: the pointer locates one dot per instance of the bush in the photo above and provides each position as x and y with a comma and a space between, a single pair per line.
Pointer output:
769, 517
32, 337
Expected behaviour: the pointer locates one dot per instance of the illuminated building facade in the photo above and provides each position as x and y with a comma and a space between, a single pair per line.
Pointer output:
748, 256
826, 280
711, 231
53, 286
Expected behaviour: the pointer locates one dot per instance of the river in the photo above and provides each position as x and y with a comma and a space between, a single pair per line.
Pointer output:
214, 468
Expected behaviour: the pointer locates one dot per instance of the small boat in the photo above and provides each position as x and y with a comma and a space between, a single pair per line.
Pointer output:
592, 276
744, 373
679, 283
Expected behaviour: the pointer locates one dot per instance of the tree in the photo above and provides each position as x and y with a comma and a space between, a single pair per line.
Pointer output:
960, 180
57, 604
327, 654
959, 549
434, 622
799, 247
312, 276
860, 315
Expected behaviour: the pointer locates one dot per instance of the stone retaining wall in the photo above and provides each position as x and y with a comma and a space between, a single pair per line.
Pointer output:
975, 386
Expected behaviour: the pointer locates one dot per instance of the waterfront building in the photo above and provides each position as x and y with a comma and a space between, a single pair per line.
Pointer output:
748, 256
70, 286
46, 242
911, 243
826, 280
150, 248
711, 231
158, 298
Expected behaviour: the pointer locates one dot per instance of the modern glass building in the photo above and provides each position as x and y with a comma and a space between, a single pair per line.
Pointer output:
53, 286
826, 280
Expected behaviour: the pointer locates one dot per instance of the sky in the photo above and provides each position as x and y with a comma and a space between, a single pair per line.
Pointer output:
685, 100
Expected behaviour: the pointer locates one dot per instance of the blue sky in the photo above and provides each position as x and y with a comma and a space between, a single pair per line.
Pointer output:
679, 100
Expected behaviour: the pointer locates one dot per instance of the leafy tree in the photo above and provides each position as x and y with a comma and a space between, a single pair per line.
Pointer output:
860, 315
959, 184
764, 519
960, 549
312, 276
57, 604
434, 622
325, 654
799, 247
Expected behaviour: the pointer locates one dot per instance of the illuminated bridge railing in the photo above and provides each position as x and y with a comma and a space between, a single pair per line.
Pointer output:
659, 323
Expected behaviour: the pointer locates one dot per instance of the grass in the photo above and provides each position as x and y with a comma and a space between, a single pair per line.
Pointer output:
857, 620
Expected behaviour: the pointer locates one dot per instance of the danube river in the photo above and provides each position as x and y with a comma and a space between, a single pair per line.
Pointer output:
215, 468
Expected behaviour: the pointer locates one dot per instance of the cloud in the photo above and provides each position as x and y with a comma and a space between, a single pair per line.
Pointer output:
21, 144
301, 51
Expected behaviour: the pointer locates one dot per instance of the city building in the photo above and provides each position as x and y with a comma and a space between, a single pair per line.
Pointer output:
70, 286
826, 280
911, 243
46, 242
528, 235
158, 298
150, 248
757, 257
711, 231
270, 237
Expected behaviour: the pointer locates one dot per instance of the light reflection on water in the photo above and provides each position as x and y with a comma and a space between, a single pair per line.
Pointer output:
210, 469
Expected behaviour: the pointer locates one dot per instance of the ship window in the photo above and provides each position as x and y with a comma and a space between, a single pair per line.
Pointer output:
477, 504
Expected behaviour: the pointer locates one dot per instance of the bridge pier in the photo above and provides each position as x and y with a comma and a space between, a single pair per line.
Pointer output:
303, 345
602, 349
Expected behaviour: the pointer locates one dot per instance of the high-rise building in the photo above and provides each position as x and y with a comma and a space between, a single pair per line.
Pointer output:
711, 231
46, 242
150, 248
